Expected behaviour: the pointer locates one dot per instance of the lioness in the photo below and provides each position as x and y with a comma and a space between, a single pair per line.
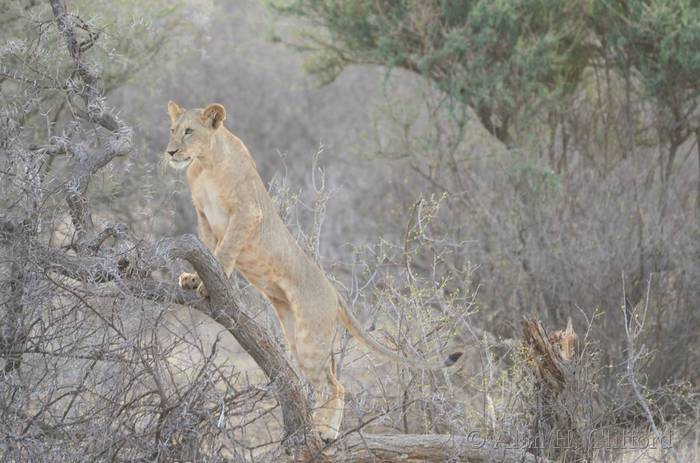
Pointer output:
237, 220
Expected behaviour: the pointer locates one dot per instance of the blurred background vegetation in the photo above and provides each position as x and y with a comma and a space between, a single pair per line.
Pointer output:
595, 180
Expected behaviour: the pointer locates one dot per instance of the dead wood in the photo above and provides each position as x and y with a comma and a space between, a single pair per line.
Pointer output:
359, 448
551, 354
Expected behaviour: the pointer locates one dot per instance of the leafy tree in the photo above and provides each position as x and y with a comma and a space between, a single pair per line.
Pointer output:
502, 58
655, 44
506, 59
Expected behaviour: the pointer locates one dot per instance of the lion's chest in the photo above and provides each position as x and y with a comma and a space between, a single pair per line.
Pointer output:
207, 199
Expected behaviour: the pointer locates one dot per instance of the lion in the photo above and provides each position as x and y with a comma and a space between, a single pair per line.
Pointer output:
237, 220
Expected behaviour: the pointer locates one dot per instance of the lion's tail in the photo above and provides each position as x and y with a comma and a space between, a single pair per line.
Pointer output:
353, 326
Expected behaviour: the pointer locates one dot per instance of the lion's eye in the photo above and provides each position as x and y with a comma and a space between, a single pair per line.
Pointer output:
188, 131
172, 130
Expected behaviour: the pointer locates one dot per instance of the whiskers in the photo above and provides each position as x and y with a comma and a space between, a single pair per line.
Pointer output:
163, 164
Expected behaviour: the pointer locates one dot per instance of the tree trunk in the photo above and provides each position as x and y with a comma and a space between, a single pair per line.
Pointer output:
697, 199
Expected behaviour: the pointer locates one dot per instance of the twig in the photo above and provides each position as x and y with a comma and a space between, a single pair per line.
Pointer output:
631, 335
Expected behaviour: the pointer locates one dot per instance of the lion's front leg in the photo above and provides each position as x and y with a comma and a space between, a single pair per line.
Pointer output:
189, 280
202, 291
240, 229
204, 231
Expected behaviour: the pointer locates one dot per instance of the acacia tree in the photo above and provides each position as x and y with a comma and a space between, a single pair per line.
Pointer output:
513, 60
503, 59
653, 44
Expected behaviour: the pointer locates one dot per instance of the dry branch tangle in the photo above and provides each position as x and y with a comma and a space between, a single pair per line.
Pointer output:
119, 143
261, 345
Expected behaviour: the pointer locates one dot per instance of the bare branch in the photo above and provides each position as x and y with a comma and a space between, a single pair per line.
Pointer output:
258, 342
634, 324
120, 142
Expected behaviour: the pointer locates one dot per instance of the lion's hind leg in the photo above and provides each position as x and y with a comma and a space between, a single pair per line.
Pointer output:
330, 400
287, 321
314, 344
332, 410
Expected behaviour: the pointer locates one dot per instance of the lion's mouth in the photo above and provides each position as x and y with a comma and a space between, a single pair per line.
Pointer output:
180, 163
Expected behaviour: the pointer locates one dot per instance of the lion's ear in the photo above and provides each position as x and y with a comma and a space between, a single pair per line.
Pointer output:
174, 110
213, 115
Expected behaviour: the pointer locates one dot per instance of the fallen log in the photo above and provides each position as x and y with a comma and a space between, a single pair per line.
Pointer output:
360, 447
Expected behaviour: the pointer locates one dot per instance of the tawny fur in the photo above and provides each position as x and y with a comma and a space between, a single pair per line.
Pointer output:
237, 220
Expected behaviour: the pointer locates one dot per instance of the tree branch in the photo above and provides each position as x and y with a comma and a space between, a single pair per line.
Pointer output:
289, 387
120, 142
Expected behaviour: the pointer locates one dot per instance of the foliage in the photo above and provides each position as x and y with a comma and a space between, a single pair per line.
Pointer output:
658, 41
511, 59
502, 58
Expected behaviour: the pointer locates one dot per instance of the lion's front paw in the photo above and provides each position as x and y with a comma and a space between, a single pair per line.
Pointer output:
202, 290
189, 281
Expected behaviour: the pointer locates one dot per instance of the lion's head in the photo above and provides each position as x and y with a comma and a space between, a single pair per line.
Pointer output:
191, 132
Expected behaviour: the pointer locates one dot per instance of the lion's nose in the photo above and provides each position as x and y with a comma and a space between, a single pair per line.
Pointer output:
172, 153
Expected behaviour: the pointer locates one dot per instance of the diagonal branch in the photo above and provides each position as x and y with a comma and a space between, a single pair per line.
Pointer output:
289, 387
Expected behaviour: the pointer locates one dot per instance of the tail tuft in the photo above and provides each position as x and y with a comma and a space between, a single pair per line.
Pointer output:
452, 359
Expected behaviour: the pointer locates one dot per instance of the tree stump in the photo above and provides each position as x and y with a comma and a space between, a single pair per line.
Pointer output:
559, 396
